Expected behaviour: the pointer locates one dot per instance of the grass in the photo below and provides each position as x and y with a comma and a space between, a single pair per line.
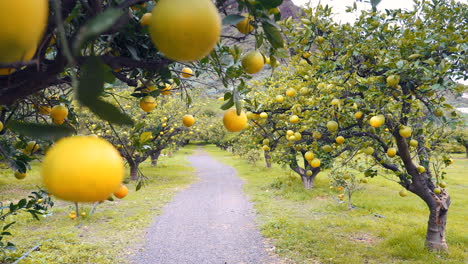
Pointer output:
110, 235
311, 226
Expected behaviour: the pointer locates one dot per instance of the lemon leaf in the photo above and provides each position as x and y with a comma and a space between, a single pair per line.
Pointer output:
232, 19
40, 131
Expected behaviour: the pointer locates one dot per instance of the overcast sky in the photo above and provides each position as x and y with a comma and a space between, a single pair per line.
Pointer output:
339, 6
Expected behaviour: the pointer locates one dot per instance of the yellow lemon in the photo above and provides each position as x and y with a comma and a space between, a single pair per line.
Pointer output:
188, 120
244, 26
148, 103
185, 30
82, 169
234, 122
59, 112
23, 23
145, 19
186, 72
253, 62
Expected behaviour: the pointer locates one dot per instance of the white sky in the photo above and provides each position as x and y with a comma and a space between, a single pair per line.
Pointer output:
339, 6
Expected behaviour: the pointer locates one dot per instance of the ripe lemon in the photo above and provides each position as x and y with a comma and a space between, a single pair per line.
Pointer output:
186, 72
234, 122
19, 175
279, 99
405, 131
185, 30
244, 26
188, 120
294, 119
148, 103
309, 155
377, 121
166, 90
291, 92
339, 140
23, 23
253, 62
358, 115
263, 115
391, 152
27, 56
82, 169
1, 125
315, 163
121, 192
59, 112
145, 19
413, 143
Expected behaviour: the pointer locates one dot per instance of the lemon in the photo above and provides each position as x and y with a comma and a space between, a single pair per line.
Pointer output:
23, 23
315, 163
234, 122
27, 56
186, 72
121, 192
82, 169
185, 30
244, 26
59, 112
339, 140
188, 120
253, 62
309, 155
148, 103
391, 152
145, 19
377, 121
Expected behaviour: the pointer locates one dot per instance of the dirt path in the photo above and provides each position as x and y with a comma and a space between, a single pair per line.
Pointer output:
211, 222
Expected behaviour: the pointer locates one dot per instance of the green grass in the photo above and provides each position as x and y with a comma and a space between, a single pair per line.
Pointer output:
110, 235
311, 226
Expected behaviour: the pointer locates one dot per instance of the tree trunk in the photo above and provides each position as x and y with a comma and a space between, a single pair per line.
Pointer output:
133, 171
154, 158
267, 158
435, 236
422, 185
466, 150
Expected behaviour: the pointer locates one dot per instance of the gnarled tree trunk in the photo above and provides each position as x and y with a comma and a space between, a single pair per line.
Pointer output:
154, 158
133, 170
422, 185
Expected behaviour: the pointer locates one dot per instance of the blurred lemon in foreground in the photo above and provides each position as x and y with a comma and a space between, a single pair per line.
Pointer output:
82, 169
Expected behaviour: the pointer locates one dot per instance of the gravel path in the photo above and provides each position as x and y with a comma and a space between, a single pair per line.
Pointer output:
211, 222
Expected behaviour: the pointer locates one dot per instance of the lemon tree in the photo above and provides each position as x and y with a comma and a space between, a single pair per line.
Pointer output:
380, 90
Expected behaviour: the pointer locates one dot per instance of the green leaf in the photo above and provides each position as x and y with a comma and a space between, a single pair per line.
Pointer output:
232, 19
91, 83
271, 3
8, 225
228, 104
109, 112
96, 26
22, 203
40, 131
273, 34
